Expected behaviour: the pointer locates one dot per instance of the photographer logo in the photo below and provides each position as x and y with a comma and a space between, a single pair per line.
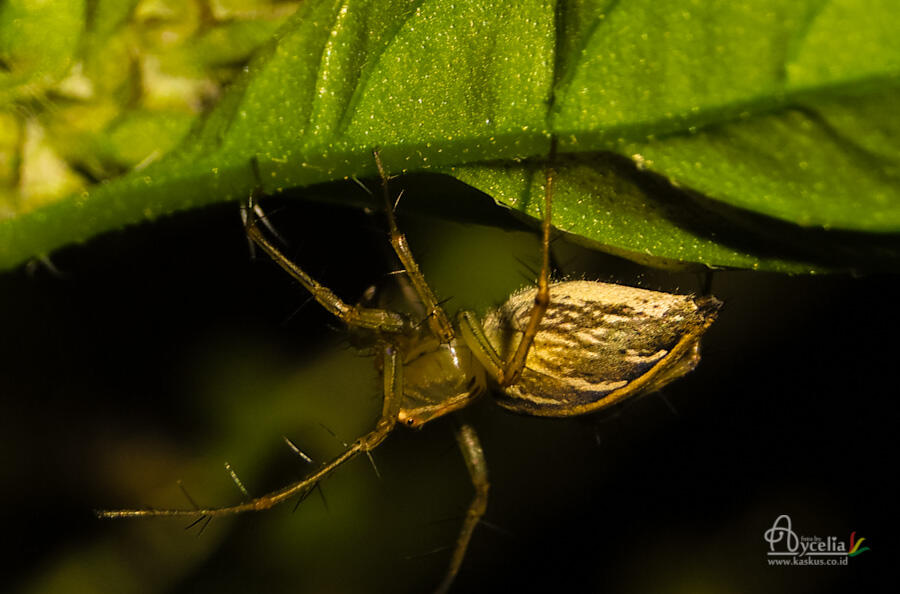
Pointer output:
786, 547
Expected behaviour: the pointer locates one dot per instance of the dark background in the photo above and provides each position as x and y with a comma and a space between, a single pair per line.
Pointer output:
160, 352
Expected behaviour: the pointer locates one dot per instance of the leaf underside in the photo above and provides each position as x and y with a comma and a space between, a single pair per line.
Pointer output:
755, 135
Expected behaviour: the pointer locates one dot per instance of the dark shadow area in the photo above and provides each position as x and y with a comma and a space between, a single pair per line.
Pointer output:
791, 411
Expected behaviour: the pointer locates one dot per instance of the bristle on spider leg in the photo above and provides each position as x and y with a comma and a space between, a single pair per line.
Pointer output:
187, 495
322, 495
668, 403
263, 218
306, 493
372, 462
237, 481
296, 450
204, 518
197, 521
204, 525
298, 309
439, 305
529, 274
334, 435
361, 185
435, 551
245, 222
496, 528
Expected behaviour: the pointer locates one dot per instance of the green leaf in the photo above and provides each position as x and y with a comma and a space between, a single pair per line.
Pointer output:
831, 164
631, 215
781, 109
37, 43
647, 220
677, 90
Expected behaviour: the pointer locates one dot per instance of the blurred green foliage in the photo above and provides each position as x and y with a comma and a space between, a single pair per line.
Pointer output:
91, 90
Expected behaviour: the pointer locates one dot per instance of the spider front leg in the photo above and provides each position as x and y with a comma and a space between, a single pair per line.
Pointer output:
508, 372
352, 315
437, 319
393, 395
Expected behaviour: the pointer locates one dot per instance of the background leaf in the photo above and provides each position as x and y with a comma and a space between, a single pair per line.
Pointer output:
766, 106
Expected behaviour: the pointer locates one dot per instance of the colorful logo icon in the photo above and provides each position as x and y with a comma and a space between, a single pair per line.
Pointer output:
855, 549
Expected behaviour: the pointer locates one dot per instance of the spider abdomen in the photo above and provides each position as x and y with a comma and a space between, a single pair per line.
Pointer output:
597, 344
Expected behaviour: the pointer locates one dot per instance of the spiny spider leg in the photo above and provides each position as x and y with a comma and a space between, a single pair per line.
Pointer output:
475, 462
352, 315
393, 395
252, 205
437, 319
514, 366
508, 372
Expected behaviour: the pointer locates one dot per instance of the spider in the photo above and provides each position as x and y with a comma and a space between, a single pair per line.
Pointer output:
558, 349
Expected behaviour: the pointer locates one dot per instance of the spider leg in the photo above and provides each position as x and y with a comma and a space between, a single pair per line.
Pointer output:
393, 396
437, 319
509, 371
474, 457
352, 315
